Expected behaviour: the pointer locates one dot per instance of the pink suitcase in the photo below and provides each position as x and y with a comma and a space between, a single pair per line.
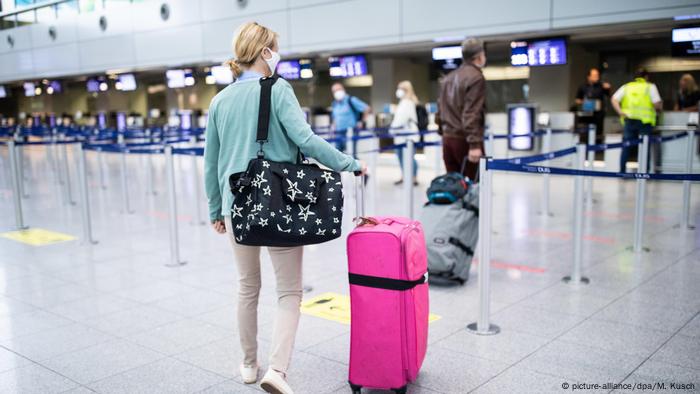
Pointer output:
387, 265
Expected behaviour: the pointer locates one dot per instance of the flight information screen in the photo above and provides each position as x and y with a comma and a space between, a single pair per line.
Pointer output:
685, 42
347, 66
538, 53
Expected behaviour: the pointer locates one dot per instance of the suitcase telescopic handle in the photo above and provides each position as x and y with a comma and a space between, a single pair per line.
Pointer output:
359, 196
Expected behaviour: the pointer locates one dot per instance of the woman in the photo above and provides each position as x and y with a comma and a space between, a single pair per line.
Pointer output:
230, 144
688, 94
405, 120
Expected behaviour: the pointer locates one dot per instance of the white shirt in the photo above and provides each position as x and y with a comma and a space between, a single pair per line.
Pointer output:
653, 92
405, 118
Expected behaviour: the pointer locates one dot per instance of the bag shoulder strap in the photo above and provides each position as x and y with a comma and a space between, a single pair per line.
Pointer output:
354, 110
264, 110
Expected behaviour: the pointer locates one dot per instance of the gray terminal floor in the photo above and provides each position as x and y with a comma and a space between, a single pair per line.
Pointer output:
112, 318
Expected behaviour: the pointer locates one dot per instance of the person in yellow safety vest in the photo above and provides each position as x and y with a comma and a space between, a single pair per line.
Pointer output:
636, 102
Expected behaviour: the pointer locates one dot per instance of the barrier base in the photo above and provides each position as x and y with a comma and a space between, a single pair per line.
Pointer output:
89, 242
584, 280
307, 289
492, 330
548, 214
688, 227
176, 264
644, 249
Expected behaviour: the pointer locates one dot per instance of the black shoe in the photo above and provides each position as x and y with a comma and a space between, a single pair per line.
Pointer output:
399, 182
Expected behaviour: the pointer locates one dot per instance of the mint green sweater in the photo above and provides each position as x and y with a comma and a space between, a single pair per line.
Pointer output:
231, 132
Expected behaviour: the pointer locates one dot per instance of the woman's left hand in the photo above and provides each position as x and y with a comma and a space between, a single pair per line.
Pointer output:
219, 226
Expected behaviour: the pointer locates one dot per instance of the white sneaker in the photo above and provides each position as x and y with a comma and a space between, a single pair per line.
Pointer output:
249, 374
275, 383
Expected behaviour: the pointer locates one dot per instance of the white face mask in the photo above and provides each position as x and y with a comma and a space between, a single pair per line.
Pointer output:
400, 93
338, 95
272, 61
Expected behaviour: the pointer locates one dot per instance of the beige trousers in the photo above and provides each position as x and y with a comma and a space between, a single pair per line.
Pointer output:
286, 263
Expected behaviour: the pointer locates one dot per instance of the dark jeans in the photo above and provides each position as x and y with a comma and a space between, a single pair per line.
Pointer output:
399, 154
633, 129
454, 152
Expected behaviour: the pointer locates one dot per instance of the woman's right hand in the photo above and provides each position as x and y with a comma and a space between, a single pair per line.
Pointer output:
219, 226
363, 169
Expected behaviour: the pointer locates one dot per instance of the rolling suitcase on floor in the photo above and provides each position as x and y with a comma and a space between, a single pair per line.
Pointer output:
387, 267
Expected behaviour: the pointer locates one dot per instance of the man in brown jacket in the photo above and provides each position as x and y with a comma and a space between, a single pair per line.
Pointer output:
462, 107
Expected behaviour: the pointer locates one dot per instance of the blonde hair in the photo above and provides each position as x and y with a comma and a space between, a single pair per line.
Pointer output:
407, 87
248, 43
690, 85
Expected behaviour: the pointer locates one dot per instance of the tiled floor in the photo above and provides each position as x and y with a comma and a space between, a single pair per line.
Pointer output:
112, 318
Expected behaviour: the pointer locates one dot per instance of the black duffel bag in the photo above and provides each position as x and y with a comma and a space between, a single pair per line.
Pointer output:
284, 204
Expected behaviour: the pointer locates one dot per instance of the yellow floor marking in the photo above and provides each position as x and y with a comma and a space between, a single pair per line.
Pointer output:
335, 307
37, 236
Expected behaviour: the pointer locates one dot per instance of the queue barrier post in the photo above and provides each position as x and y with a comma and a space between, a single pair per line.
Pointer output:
68, 187
685, 214
150, 184
350, 141
438, 159
85, 197
546, 147
198, 219
20, 165
172, 210
575, 276
15, 179
373, 164
483, 325
641, 196
125, 177
591, 159
101, 168
407, 158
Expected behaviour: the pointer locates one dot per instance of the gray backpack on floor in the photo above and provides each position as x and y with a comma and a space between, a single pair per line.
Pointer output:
451, 233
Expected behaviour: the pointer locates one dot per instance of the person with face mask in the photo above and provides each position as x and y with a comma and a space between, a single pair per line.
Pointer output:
230, 144
462, 108
405, 120
347, 112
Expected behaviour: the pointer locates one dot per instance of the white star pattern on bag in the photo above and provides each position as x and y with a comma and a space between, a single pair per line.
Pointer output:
312, 183
259, 179
301, 174
336, 220
288, 218
293, 190
236, 211
263, 222
279, 228
248, 200
239, 226
302, 231
247, 227
285, 171
312, 200
333, 208
334, 231
289, 208
319, 221
272, 214
331, 190
309, 196
321, 232
328, 176
304, 212
267, 191
239, 239
266, 164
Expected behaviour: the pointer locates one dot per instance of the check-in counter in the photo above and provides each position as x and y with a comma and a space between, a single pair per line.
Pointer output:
497, 123
669, 156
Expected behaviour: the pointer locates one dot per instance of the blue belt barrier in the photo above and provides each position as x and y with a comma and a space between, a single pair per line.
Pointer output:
530, 169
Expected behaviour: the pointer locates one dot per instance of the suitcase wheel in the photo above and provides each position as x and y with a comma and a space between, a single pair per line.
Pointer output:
355, 388
401, 390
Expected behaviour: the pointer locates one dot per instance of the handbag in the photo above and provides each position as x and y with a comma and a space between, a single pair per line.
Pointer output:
284, 204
